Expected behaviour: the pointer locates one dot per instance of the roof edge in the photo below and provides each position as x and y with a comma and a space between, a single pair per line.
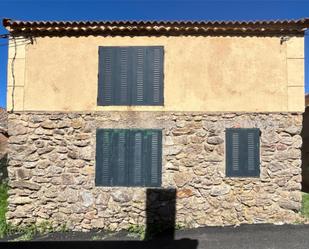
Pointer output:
50, 28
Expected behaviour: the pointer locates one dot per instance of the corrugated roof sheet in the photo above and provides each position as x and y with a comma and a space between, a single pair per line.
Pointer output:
72, 28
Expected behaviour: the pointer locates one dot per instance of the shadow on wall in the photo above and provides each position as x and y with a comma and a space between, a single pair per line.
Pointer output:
159, 234
305, 151
160, 214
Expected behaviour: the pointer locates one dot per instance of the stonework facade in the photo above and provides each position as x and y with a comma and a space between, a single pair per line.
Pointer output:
52, 169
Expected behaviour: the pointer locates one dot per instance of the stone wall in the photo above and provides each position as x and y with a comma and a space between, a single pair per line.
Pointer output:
52, 169
3, 118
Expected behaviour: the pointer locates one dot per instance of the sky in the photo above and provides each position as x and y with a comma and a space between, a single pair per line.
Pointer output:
148, 10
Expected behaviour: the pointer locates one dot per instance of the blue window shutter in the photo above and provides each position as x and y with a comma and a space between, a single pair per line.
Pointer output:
233, 152
236, 152
103, 157
146, 163
242, 152
155, 75
128, 157
154, 158
147, 78
131, 75
114, 76
119, 158
139, 75
136, 172
106, 74
122, 85
253, 152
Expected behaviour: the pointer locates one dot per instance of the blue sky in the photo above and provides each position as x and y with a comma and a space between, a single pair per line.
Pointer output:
147, 10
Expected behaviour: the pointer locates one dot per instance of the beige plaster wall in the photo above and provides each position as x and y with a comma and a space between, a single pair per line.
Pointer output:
200, 73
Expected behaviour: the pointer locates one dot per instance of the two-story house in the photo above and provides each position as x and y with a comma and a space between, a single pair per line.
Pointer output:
102, 111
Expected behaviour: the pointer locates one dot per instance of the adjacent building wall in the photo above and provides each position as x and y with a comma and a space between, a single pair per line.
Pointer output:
243, 74
52, 170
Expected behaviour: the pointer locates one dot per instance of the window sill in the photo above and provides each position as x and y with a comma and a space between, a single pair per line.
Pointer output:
130, 108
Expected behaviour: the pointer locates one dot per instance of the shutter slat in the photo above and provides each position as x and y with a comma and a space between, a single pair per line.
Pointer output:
106, 158
124, 76
235, 152
103, 157
107, 76
136, 166
99, 158
157, 71
140, 76
113, 76
155, 160
119, 162
251, 160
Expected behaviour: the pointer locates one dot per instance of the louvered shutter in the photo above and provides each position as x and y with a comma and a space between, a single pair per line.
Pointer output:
147, 78
119, 162
128, 157
122, 96
154, 157
252, 166
130, 75
146, 162
114, 76
136, 172
106, 74
155, 75
233, 166
242, 152
139, 79
103, 157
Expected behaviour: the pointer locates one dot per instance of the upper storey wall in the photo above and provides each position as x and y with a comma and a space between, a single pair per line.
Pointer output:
215, 74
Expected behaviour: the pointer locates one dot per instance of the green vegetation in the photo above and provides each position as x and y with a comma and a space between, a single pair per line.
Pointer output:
305, 205
29, 232
97, 237
137, 231
26, 233
179, 227
63, 228
3, 209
